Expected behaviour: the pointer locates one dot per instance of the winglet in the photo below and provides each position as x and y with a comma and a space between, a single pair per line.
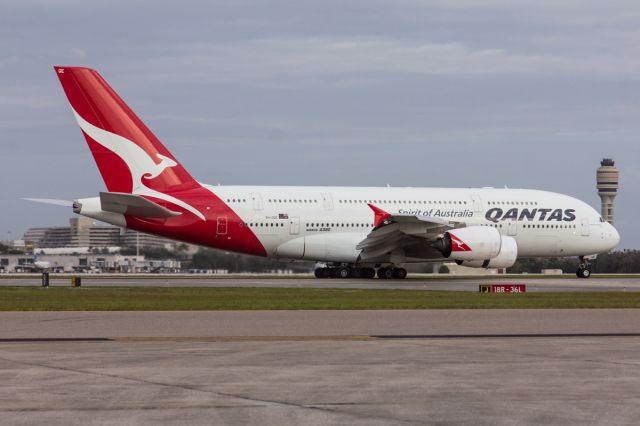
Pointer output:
379, 215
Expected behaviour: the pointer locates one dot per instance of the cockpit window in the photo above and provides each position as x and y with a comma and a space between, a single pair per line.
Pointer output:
601, 219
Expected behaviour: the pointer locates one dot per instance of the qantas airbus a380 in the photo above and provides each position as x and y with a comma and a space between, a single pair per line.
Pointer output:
353, 231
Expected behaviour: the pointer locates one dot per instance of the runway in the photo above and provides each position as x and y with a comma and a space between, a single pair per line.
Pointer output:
363, 367
481, 367
450, 283
322, 324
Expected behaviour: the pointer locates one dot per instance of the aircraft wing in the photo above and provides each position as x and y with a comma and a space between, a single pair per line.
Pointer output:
402, 231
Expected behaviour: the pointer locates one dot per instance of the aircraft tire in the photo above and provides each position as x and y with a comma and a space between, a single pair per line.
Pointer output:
385, 273
321, 273
368, 273
342, 272
399, 273
583, 273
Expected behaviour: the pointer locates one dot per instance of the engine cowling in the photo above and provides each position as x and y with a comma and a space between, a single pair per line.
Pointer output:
474, 243
508, 254
505, 258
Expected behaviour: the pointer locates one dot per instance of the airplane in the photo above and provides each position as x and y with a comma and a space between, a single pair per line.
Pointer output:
348, 231
36, 266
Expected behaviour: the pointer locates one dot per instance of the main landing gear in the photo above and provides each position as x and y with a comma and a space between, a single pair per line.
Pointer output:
584, 271
390, 273
350, 272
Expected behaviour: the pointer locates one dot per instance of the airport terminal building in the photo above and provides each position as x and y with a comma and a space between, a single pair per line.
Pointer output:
87, 262
84, 246
83, 232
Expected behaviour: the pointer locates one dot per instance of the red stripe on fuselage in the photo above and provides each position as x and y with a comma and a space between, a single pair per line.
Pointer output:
190, 228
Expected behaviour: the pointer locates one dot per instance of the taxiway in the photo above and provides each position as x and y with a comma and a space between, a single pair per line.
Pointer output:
450, 283
569, 367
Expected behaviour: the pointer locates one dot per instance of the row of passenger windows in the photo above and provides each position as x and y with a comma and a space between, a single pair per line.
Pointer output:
292, 200
313, 225
528, 225
301, 201
401, 202
365, 225
512, 203
339, 225
555, 226
449, 202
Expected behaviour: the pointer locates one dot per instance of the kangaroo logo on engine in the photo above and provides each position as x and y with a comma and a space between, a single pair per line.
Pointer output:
495, 214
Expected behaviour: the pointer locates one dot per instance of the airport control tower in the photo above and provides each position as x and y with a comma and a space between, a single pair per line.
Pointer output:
607, 180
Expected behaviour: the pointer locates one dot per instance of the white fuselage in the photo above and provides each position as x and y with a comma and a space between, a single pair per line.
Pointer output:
335, 219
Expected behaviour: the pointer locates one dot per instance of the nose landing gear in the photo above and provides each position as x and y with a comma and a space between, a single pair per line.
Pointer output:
584, 271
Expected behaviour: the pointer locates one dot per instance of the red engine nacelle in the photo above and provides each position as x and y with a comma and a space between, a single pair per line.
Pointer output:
477, 243
505, 258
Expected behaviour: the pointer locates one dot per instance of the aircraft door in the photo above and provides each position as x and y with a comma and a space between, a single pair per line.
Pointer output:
221, 225
512, 228
294, 225
584, 227
327, 201
476, 201
256, 200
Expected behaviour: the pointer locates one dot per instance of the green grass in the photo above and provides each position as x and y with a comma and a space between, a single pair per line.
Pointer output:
87, 278
189, 299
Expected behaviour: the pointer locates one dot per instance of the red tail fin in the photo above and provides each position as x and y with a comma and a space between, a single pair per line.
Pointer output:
129, 156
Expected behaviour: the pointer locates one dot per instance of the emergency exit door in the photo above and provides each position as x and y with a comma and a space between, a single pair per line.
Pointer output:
221, 225
584, 227
294, 225
476, 202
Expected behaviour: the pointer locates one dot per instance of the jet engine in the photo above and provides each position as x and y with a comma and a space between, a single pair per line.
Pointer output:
474, 243
505, 258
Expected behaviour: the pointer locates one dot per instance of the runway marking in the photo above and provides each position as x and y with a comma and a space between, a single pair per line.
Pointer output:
53, 339
502, 336
240, 338
310, 338
364, 337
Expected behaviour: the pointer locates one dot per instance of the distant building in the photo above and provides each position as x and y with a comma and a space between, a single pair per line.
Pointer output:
607, 179
86, 262
82, 232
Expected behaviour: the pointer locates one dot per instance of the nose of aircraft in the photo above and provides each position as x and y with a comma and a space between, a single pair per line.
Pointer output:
612, 235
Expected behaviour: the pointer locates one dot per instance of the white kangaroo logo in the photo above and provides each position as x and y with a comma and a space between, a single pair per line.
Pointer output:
140, 164
164, 163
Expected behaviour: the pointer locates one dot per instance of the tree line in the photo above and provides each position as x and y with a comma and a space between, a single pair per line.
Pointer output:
625, 261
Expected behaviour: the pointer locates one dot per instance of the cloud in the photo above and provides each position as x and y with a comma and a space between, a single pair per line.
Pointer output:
516, 92
29, 102
316, 58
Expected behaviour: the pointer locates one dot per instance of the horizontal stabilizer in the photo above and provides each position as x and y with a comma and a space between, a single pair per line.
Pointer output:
133, 205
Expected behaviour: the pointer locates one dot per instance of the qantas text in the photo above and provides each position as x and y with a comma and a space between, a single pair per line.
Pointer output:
495, 214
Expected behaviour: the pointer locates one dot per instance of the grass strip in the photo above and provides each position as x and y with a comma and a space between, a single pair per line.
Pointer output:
199, 298
241, 276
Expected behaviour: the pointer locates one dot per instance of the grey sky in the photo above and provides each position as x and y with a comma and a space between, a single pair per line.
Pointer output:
410, 93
